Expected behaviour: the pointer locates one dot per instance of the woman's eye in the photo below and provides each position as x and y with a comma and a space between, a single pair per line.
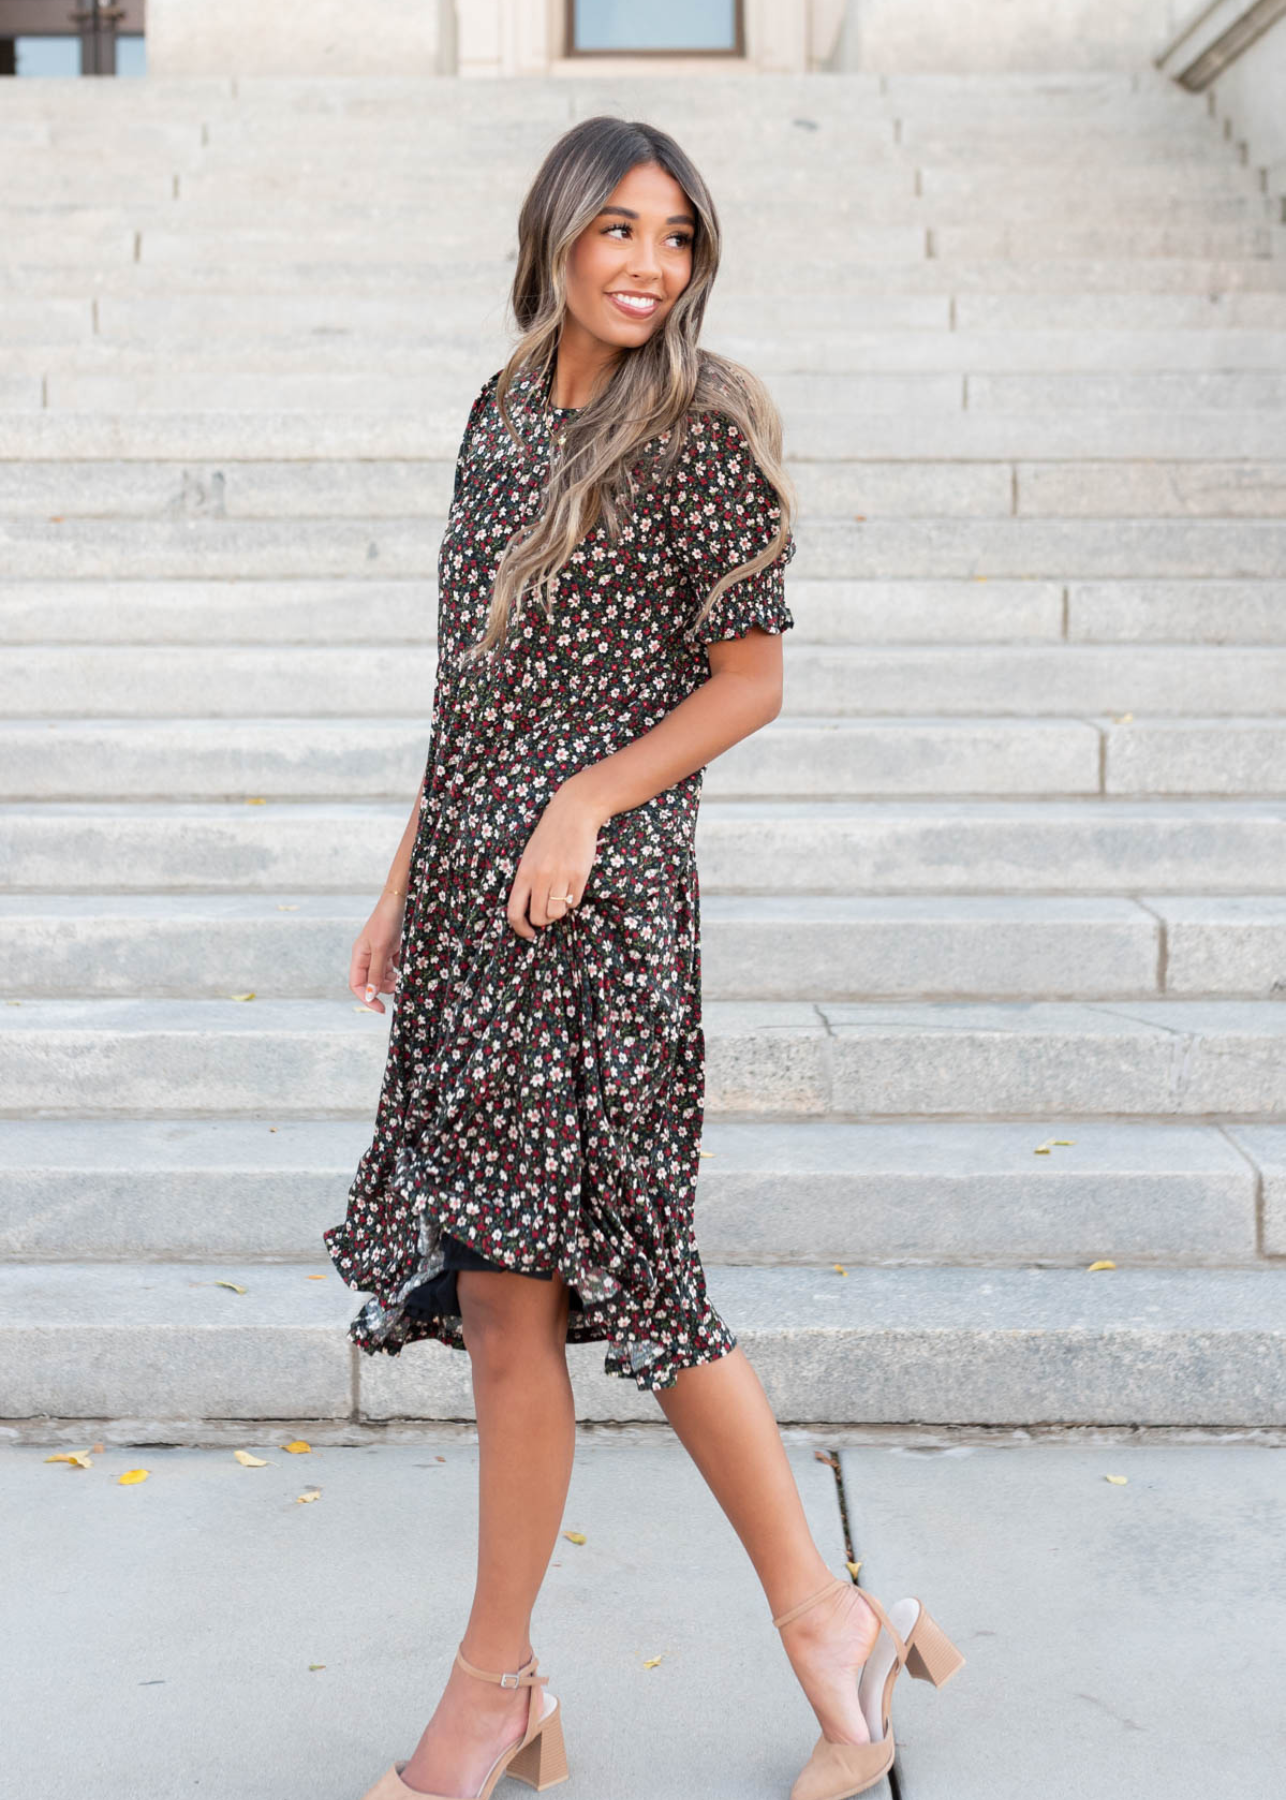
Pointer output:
680, 239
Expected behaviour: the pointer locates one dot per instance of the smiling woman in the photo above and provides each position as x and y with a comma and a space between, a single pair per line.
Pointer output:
612, 604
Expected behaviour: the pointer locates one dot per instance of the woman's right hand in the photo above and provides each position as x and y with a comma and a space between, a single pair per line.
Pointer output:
374, 967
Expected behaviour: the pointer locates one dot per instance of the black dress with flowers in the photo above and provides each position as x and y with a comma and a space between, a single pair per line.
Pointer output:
543, 1098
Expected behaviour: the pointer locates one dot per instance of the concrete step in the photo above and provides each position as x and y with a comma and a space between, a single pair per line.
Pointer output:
1100, 490
383, 759
816, 436
904, 612
379, 354
954, 1059
1232, 309
485, 275
123, 317
74, 682
448, 385
1242, 756
1070, 241
793, 757
403, 610
383, 203
994, 1346
768, 1194
1087, 847
829, 549
754, 947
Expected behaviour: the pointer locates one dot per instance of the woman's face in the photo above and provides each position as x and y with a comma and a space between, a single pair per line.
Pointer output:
630, 264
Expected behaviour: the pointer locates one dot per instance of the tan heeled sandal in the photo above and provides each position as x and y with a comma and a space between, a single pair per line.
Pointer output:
539, 1759
838, 1771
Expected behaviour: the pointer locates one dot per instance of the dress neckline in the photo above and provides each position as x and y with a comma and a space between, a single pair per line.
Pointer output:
559, 411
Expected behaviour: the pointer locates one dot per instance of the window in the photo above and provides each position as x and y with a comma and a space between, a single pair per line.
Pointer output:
677, 27
59, 56
58, 39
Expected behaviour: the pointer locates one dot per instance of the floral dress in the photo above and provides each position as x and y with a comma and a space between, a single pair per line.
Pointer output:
542, 1102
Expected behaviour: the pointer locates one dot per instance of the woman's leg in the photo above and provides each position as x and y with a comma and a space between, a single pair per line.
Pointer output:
515, 1329
722, 1416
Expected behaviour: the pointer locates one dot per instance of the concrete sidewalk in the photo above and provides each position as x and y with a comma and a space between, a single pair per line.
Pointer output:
1122, 1641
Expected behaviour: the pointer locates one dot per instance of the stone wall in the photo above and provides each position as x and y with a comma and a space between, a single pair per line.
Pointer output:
496, 38
1251, 96
295, 37
965, 35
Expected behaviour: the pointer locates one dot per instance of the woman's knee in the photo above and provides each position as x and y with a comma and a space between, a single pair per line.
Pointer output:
509, 1321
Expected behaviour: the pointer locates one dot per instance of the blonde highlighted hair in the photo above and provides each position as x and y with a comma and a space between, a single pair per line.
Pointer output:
652, 389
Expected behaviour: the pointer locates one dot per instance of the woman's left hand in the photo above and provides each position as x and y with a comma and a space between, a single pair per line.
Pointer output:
556, 862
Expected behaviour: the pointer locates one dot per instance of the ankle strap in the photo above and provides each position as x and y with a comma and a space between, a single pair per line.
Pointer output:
525, 1676
836, 1581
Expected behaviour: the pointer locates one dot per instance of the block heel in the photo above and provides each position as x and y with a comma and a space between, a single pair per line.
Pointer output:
543, 1761
908, 1638
930, 1654
539, 1758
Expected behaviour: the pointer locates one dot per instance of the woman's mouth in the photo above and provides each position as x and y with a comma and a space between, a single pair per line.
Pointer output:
636, 306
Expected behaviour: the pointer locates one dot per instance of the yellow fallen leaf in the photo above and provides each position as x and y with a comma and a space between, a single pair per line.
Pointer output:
1105, 1264
315, 1278
81, 1458
310, 1494
298, 1446
839, 1268
441, 1459
652, 1661
255, 800
230, 1284
250, 1462
577, 1537
249, 996
852, 1568
13, 1002
272, 1128
699, 1152
1124, 718
131, 1476
295, 909
1117, 1480
316, 1665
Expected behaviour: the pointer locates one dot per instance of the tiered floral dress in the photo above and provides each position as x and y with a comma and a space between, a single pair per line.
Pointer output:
542, 1102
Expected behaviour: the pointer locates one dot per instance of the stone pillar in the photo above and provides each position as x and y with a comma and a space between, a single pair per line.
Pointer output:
506, 37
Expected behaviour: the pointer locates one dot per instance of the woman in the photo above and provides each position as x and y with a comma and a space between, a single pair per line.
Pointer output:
611, 606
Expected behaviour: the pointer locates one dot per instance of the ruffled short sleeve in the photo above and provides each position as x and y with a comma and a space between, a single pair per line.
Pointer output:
722, 512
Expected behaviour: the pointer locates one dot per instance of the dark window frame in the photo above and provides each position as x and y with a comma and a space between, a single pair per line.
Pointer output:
739, 39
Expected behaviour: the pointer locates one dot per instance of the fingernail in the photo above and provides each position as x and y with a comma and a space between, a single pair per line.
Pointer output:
370, 992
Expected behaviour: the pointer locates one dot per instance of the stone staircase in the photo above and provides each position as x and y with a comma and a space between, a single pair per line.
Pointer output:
1009, 869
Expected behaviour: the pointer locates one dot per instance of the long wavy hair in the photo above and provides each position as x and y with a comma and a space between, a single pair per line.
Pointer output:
652, 388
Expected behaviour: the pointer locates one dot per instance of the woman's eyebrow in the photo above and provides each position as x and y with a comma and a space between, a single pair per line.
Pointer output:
674, 218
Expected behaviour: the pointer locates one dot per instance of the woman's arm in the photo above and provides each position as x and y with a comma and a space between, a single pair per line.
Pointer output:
372, 968
744, 692
400, 872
